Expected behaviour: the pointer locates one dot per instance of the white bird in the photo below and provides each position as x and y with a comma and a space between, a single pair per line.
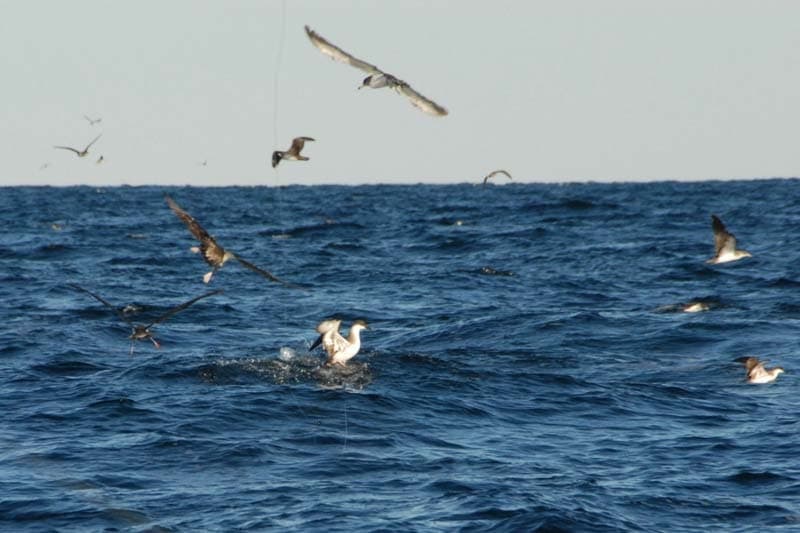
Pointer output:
80, 153
494, 173
724, 244
339, 349
756, 373
377, 78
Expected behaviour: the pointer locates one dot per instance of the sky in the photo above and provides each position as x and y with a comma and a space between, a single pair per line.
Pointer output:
552, 91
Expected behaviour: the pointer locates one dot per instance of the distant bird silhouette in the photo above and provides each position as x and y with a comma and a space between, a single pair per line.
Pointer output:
494, 173
204, 163
293, 153
80, 153
377, 78
93, 121
339, 349
142, 331
44, 166
757, 373
724, 244
214, 254
100, 160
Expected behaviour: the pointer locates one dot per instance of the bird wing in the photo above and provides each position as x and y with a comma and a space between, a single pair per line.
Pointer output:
91, 143
723, 240
333, 343
337, 54
102, 301
179, 308
425, 104
194, 226
298, 143
263, 272
324, 328
67, 148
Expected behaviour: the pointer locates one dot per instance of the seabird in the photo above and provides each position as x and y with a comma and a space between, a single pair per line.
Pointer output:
377, 78
214, 254
494, 173
142, 331
724, 244
756, 373
92, 121
81, 153
100, 160
339, 349
293, 153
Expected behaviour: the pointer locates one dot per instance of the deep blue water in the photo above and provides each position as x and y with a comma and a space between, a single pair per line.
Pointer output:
523, 371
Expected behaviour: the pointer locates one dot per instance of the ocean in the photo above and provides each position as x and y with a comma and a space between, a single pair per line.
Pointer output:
527, 366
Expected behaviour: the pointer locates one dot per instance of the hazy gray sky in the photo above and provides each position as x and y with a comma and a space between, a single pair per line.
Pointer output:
551, 91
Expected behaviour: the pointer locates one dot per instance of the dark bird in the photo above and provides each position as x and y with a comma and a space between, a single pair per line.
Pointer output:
757, 373
214, 254
293, 153
493, 174
377, 78
81, 153
142, 331
93, 121
724, 244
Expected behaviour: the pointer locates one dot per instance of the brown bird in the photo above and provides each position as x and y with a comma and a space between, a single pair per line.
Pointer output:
80, 153
142, 331
377, 78
293, 153
756, 373
493, 174
724, 244
213, 254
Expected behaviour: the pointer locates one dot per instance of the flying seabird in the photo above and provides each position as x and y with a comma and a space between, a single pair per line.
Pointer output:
214, 254
377, 78
493, 174
293, 153
339, 349
81, 153
756, 373
141, 331
92, 121
724, 244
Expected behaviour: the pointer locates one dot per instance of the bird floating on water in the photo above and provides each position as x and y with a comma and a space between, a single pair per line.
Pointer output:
293, 153
757, 373
724, 244
80, 153
494, 173
213, 254
142, 331
93, 121
377, 78
339, 349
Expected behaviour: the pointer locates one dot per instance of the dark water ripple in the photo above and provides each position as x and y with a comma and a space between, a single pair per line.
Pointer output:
528, 369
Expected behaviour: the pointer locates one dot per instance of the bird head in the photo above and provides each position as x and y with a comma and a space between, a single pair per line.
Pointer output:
359, 324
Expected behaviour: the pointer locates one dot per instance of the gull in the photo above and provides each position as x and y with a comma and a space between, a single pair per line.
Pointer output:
81, 153
724, 244
493, 174
339, 349
214, 254
377, 78
142, 331
756, 373
93, 121
293, 153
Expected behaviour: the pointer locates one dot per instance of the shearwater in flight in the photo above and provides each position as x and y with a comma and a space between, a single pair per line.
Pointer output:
724, 244
293, 153
494, 173
80, 153
142, 331
214, 254
339, 349
377, 78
